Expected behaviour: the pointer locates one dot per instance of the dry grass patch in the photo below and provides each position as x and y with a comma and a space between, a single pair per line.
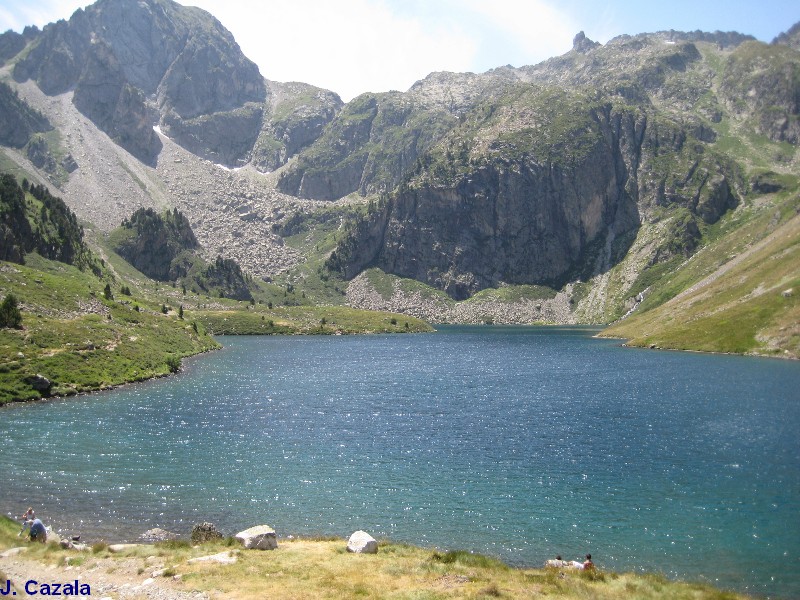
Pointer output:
323, 569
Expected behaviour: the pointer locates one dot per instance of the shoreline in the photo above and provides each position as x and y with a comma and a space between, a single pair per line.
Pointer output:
625, 343
108, 388
312, 567
137, 544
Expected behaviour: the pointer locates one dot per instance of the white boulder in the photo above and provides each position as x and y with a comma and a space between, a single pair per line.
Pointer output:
362, 543
261, 537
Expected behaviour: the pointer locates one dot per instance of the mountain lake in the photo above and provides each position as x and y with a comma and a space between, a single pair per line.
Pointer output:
517, 442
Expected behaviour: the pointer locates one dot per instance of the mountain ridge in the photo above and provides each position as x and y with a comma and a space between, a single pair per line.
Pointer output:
589, 173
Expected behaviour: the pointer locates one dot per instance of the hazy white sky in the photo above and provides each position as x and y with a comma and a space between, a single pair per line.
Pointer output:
355, 46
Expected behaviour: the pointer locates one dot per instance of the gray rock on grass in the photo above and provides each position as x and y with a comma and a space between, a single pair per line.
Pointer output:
261, 537
362, 543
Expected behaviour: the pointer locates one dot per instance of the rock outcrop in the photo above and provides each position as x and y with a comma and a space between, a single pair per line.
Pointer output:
790, 38
205, 532
118, 53
296, 118
543, 195
377, 139
158, 535
103, 94
18, 121
261, 537
362, 543
761, 84
156, 244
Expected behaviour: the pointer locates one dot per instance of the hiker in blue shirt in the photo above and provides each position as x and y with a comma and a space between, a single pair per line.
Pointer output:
38, 532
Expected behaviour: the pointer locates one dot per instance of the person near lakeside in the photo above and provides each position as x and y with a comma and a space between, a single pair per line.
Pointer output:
557, 562
587, 564
38, 531
27, 520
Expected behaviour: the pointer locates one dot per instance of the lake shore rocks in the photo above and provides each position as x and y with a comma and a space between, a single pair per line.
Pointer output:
205, 532
261, 537
158, 535
362, 543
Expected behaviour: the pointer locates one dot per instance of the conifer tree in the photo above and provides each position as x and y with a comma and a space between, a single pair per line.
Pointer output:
10, 315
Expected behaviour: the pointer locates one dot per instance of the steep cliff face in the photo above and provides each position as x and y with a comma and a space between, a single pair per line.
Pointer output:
540, 187
761, 84
368, 148
376, 140
12, 43
183, 55
18, 121
118, 108
550, 178
297, 117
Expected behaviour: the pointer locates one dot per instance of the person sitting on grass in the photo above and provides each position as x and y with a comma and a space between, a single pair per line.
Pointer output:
38, 531
587, 564
557, 562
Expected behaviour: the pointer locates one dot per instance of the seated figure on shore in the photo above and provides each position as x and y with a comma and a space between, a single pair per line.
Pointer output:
38, 531
587, 564
556, 562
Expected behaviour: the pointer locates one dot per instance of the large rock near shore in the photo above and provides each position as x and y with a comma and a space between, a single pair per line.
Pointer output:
362, 543
261, 537
205, 532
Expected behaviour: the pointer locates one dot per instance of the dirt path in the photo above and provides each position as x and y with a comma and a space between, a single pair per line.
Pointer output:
108, 578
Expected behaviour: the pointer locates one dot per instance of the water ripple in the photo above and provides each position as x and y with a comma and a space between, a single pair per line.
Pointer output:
519, 442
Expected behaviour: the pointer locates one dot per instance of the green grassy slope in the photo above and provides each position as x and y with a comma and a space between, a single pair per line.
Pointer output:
79, 340
740, 295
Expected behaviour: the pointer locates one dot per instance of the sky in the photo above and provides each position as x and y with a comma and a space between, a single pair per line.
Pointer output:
356, 46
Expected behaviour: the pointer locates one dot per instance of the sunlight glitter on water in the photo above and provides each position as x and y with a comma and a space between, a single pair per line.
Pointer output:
517, 442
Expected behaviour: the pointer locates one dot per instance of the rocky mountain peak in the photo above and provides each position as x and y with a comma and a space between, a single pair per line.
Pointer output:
582, 44
790, 38
137, 63
184, 55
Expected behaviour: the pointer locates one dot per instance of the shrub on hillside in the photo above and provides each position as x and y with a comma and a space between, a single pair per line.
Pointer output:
10, 315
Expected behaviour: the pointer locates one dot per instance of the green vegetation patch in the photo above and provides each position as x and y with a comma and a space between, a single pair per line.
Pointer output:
514, 293
310, 320
74, 339
749, 303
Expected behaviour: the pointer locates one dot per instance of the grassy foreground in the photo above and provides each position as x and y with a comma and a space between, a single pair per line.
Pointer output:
313, 568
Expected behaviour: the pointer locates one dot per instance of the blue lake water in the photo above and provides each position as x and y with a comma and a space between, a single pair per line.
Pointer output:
516, 442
